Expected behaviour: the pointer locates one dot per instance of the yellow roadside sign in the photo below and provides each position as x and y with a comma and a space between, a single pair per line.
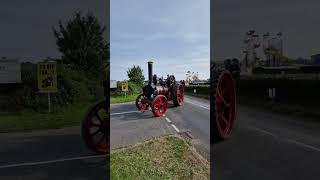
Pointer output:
124, 86
47, 77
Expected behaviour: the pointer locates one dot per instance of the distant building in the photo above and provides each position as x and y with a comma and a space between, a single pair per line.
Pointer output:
10, 71
113, 84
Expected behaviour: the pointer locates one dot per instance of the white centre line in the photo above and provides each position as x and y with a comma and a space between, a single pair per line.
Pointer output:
168, 120
51, 161
304, 145
175, 128
196, 104
263, 131
128, 112
286, 139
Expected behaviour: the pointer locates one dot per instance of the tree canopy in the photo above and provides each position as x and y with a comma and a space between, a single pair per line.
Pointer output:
135, 74
82, 43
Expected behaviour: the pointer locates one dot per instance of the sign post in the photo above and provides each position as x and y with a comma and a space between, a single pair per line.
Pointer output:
124, 87
47, 79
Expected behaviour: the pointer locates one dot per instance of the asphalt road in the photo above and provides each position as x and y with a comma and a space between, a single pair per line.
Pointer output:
129, 126
51, 154
269, 146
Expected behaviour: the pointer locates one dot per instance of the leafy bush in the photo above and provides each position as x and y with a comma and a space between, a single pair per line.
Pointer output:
201, 89
299, 89
297, 70
73, 87
133, 88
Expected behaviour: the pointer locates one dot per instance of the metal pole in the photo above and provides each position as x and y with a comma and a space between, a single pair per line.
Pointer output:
49, 103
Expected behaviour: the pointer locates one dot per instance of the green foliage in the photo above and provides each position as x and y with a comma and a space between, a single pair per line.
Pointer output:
297, 89
84, 64
201, 89
73, 87
134, 88
135, 74
288, 70
82, 43
282, 77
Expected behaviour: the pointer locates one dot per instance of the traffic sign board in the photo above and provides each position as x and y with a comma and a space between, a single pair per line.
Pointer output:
124, 86
47, 77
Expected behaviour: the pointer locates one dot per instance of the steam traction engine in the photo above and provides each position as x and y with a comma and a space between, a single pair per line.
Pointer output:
223, 77
158, 92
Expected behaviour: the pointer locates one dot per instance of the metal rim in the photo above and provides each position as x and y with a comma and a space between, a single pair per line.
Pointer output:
225, 102
96, 129
141, 105
159, 105
180, 94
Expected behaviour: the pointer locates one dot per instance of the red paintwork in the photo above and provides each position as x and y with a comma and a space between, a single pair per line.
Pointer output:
225, 102
95, 129
159, 105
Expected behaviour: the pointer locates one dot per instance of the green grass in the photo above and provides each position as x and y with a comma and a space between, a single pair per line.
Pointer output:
29, 121
167, 157
123, 99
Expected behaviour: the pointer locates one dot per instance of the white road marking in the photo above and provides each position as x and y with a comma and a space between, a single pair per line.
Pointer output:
304, 145
168, 120
263, 131
288, 140
128, 112
200, 105
175, 128
51, 161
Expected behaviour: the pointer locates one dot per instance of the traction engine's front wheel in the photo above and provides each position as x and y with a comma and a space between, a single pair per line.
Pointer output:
141, 103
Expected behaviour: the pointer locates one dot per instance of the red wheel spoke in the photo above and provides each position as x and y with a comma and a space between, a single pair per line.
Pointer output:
221, 116
98, 116
95, 125
96, 132
101, 139
220, 96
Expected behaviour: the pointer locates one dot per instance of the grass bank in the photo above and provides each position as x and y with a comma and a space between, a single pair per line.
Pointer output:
123, 99
30, 120
167, 157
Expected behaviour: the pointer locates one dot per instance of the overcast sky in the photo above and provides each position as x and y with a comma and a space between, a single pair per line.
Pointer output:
26, 26
174, 34
298, 20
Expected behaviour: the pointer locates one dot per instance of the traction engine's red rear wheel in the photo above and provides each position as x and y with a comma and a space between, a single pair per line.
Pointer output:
95, 128
178, 94
224, 105
141, 104
159, 105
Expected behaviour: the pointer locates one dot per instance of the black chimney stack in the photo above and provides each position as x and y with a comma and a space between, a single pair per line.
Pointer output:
150, 73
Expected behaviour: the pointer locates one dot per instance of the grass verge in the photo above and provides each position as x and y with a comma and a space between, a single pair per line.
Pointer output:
167, 157
123, 99
29, 121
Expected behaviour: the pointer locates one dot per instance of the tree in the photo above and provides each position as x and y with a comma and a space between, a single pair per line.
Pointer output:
81, 43
135, 74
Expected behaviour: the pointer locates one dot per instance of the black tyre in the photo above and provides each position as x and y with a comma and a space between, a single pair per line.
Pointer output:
95, 128
222, 104
178, 94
